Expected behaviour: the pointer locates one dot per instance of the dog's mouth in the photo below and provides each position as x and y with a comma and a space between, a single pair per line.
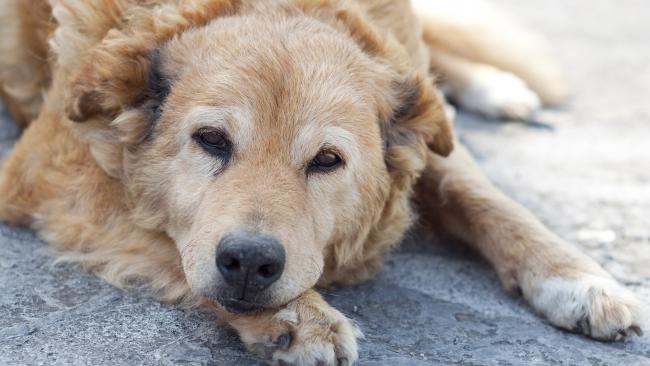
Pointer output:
239, 303
241, 306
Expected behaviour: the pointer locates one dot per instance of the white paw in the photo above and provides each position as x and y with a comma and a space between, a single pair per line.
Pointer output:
497, 94
593, 305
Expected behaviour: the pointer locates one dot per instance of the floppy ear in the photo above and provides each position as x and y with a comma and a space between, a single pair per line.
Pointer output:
118, 86
421, 110
112, 77
116, 75
418, 123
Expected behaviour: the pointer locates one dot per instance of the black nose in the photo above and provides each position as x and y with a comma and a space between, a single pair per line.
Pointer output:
250, 262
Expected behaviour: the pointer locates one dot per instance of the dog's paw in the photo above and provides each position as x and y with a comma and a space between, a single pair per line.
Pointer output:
498, 94
593, 305
306, 331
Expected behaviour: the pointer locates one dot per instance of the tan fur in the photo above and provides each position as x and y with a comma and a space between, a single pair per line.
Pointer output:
473, 30
122, 188
24, 66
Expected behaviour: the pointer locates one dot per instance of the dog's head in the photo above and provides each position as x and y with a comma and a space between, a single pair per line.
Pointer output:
267, 142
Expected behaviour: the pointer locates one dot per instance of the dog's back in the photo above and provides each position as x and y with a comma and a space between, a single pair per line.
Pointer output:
468, 29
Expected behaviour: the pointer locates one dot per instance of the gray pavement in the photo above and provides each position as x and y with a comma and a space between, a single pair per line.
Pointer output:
584, 169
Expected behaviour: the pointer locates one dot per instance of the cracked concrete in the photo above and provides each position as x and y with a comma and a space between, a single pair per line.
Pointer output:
584, 169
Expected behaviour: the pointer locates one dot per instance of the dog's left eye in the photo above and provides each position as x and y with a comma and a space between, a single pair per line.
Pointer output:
325, 161
215, 142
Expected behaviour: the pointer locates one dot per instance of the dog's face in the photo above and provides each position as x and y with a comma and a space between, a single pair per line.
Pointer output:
268, 144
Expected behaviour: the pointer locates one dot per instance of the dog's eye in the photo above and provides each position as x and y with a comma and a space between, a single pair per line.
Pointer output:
325, 161
214, 141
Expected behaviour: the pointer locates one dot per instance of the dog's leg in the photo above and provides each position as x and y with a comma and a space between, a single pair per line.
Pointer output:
559, 281
307, 331
476, 31
24, 71
484, 89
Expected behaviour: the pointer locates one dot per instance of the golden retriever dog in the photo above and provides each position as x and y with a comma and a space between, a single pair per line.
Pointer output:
238, 154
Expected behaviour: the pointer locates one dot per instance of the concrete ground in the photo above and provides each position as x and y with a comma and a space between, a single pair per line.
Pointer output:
584, 169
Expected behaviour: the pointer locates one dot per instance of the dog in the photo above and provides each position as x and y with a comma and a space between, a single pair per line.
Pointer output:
237, 154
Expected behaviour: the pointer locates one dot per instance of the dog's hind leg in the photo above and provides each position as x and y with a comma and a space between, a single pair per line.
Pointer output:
24, 70
559, 281
482, 88
480, 51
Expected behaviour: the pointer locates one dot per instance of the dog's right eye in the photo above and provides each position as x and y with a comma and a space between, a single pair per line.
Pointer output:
215, 142
325, 162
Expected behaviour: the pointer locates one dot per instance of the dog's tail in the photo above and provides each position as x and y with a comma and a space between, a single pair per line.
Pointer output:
24, 70
475, 30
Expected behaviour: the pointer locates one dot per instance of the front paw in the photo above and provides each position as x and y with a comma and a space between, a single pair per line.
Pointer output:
594, 305
307, 331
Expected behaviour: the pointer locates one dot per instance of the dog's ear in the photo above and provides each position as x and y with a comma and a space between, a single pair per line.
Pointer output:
120, 72
420, 111
418, 123
113, 76
116, 88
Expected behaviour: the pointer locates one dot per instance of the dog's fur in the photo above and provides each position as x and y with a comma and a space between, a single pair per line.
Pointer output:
107, 171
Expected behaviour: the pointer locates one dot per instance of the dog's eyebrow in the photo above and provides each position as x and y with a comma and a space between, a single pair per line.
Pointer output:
337, 136
206, 115
311, 139
233, 119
